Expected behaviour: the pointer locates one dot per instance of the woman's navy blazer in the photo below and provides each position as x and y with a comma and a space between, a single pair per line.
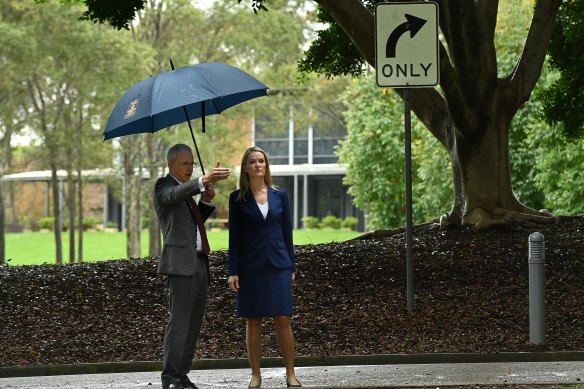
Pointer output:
255, 241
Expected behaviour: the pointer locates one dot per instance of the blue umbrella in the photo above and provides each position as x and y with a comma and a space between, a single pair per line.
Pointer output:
177, 96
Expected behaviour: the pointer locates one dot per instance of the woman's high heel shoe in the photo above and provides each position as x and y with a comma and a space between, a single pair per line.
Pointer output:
258, 386
289, 385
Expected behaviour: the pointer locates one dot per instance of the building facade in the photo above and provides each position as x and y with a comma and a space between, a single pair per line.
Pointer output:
303, 162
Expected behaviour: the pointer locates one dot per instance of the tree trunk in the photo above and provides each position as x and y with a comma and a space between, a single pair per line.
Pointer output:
2, 223
79, 217
5, 152
71, 214
482, 177
132, 186
78, 154
57, 215
154, 248
132, 217
12, 201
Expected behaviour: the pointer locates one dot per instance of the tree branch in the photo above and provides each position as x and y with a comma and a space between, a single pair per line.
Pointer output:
528, 68
469, 30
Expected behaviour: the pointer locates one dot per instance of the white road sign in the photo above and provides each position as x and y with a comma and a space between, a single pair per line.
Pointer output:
406, 44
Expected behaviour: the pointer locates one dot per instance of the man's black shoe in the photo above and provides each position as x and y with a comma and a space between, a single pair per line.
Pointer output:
187, 384
174, 385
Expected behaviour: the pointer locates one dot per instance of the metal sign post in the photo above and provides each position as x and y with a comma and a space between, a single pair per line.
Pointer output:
407, 56
409, 212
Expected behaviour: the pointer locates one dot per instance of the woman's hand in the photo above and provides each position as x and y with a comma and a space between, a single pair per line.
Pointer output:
233, 282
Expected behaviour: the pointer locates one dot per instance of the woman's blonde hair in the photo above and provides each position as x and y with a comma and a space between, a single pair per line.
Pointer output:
244, 185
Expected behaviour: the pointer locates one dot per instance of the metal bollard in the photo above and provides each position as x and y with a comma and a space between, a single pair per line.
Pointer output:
536, 288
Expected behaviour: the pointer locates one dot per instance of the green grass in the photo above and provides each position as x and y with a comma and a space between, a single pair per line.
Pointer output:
36, 248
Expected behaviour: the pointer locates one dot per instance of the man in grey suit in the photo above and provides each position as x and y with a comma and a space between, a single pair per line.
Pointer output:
184, 260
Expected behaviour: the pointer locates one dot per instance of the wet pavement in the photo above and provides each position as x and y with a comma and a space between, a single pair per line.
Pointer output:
348, 376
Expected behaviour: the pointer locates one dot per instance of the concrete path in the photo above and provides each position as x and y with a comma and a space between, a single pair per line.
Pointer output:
352, 376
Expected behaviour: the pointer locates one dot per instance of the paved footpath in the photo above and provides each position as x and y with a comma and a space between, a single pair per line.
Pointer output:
358, 376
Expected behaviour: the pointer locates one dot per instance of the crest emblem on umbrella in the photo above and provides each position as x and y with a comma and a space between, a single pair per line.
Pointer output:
132, 108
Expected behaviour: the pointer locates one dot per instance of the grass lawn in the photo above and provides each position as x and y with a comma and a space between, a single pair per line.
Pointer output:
36, 248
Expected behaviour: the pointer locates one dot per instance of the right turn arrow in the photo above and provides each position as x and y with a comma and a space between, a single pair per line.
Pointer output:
413, 25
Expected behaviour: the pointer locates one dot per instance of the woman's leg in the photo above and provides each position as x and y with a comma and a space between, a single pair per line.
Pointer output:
286, 342
254, 348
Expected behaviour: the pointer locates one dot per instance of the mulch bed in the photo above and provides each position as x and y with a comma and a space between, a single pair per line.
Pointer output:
471, 295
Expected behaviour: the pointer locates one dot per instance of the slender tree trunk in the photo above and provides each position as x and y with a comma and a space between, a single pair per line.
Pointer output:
78, 153
79, 216
153, 224
154, 247
13, 215
71, 214
4, 165
2, 223
57, 215
132, 191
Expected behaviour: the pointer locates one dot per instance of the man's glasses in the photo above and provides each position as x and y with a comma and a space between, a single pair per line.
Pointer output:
186, 164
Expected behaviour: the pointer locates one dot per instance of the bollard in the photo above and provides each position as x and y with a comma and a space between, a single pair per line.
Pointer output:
536, 288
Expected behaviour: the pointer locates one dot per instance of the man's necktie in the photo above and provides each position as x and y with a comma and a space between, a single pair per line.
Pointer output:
200, 225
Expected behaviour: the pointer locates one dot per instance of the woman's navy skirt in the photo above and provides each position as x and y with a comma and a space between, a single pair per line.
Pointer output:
265, 292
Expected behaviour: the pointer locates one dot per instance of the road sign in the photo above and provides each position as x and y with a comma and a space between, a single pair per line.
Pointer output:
406, 44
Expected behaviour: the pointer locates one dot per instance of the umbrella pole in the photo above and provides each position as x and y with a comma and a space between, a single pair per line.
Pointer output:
194, 141
191, 128
203, 115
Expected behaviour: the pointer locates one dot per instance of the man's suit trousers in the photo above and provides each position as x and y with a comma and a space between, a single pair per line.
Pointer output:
187, 299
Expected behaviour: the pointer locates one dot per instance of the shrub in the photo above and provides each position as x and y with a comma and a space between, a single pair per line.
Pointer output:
216, 223
310, 222
350, 223
331, 221
30, 223
47, 222
91, 222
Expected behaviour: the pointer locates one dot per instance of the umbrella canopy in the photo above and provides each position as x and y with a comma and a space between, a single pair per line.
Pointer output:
174, 97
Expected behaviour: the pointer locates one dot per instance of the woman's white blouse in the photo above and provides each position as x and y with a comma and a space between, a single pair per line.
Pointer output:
264, 209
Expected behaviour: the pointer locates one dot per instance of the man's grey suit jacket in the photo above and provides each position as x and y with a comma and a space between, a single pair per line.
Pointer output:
179, 250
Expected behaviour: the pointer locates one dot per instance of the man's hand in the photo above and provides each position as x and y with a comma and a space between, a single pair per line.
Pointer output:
209, 193
233, 282
217, 174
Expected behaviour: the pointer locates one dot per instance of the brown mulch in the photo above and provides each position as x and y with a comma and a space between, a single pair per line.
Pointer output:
471, 295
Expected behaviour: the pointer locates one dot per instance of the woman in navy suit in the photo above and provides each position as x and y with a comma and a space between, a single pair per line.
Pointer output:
261, 260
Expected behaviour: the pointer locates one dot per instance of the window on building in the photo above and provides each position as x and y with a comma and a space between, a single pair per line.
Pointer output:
327, 134
271, 135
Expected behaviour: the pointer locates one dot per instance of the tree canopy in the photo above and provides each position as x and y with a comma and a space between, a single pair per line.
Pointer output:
70, 78
471, 112
471, 115
564, 98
